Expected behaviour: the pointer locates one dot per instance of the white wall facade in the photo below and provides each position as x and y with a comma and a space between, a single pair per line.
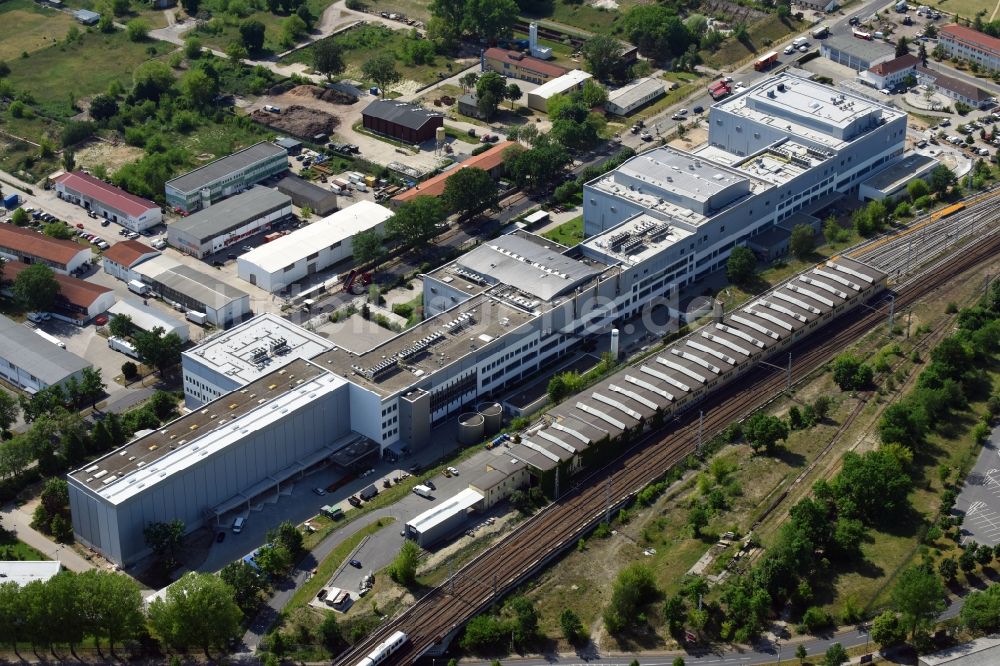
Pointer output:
149, 218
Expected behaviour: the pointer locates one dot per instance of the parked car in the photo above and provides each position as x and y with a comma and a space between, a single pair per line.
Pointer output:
355, 563
105, 223
698, 109
319, 491
453, 471
430, 484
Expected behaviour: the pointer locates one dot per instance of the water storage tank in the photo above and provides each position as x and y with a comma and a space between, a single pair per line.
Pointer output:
439, 135
492, 412
470, 428
615, 343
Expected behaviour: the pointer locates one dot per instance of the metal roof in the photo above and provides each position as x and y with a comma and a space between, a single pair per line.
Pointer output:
107, 194
980, 652
400, 113
628, 95
869, 50
561, 84
301, 188
527, 265
147, 318
231, 213
22, 573
199, 286
193, 181
436, 515
22, 347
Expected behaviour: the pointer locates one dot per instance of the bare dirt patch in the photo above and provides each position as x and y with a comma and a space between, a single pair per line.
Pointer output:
331, 95
112, 156
300, 121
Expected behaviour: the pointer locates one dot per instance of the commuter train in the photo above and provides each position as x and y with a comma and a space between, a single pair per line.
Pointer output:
384, 649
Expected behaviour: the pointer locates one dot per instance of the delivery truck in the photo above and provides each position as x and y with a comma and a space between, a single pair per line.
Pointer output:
423, 491
137, 287
123, 346
197, 317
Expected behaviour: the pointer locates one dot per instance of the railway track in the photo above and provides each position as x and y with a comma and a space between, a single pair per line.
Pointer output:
543, 537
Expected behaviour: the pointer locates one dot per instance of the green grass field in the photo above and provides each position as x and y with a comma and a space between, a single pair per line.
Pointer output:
761, 35
363, 43
37, 27
228, 27
568, 233
12, 550
57, 74
966, 8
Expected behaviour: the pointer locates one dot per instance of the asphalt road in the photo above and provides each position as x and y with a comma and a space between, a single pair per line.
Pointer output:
979, 500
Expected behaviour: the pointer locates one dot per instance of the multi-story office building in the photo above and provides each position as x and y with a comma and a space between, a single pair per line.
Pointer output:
227, 175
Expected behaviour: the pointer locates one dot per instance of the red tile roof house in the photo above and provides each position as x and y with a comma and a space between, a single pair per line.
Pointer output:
119, 259
31, 247
971, 45
890, 73
78, 301
108, 201
519, 66
490, 161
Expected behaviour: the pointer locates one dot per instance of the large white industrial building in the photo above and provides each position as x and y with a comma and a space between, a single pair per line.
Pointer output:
509, 308
311, 249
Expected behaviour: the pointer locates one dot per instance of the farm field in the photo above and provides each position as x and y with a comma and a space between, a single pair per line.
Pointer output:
57, 74
37, 28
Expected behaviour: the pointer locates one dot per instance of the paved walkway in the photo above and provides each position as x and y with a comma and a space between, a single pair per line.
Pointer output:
15, 520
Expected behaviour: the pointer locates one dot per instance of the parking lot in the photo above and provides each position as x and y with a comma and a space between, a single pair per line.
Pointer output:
979, 500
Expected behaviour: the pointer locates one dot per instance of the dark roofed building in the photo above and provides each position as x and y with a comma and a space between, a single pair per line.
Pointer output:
401, 120
958, 90
304, 193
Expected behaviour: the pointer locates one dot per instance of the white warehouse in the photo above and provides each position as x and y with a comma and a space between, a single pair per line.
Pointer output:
538, 98
283, 262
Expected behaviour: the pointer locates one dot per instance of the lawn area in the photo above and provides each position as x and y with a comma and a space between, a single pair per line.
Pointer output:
211, 140
86, 67
568, 233
12, 550
37, 27
965, 8
364, 42
583, 15
414, 9
223, 28
762, 34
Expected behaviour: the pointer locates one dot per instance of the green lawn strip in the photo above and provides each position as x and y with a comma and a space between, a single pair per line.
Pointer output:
459, 135
326, 568
568, 233
86, 67
11, 549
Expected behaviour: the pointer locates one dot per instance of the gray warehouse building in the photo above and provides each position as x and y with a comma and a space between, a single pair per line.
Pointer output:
211, 461
216, 227
227, 175
33, 363
304, 193
190, 289
441, 521
858, 54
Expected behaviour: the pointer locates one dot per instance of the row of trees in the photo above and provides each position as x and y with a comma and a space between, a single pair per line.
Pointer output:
198, 611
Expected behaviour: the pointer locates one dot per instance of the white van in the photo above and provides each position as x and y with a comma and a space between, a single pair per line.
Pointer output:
137, 287
238, 524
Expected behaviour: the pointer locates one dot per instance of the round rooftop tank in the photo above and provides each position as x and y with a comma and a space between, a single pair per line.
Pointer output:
470, 428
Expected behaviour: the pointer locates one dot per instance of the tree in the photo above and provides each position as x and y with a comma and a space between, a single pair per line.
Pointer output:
697, 519
872, 487
902, 47
512, 93
490, 19
382, 71
941, 179
197, 611
801, 653
564, 385
850, 373
417, 219
468, 80
165, 540
491, 88
20, 218
948, 568
36, 287
981, 610
917, 188
656, 30
273, 559
58, 229
252, 35
367, 247
137, 30
158, 350
103, 107
329, 633
114, 606
634, 587
764, 431
245, 583
328, 58
403, 569
199, 87
470, 191
741, 265
592, 94
886, 631
571, 626
919, 597
603, 54
151, 79
293, 29
288, 536
9, 409
803, 241
91, 386
121, 326
835, 655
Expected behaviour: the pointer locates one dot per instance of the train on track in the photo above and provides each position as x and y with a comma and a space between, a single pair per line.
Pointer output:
384, 649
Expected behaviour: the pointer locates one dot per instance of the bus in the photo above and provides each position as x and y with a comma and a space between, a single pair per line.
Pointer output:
766, 61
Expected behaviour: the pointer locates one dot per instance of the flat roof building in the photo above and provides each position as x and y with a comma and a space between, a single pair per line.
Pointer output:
230, 360
444, 519
31, 362
490, 161
983, 651
401, 120
893, 180
87, 17
858, 54
516, 65
630, 97
305, 194
232, 220
146, 318
568, 83
285, 261
110, 202
22, 572
223, 304
121, 258
226, 175
77, 302
32, 247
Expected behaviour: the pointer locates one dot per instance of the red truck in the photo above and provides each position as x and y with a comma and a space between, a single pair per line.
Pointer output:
719, 90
